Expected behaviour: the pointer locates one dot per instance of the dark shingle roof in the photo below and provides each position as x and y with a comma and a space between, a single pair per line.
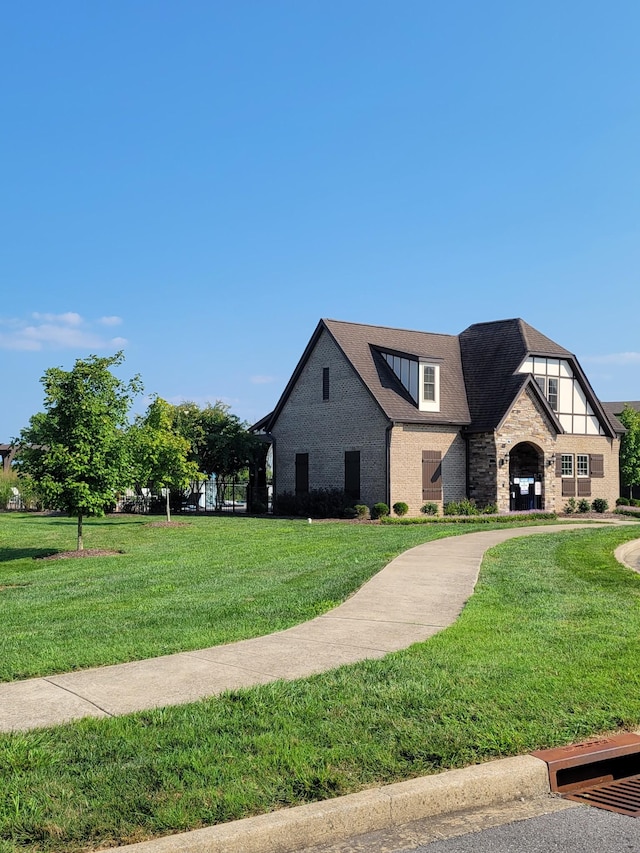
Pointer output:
491, 355
615, 408
479, 378
362, 346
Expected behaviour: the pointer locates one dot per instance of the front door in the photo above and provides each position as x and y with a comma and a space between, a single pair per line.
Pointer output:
525, 478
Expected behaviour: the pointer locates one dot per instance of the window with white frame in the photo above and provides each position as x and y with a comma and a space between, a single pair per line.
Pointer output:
429, 387
549, 387
567, 464
582, 464
429, 383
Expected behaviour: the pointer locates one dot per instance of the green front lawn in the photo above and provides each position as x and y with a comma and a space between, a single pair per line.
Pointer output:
209, 581
546, 652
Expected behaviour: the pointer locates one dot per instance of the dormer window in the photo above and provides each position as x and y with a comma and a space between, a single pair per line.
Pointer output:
429, 383
421, 378
429, 387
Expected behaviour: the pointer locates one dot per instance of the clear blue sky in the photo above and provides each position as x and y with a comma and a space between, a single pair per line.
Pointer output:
198, 182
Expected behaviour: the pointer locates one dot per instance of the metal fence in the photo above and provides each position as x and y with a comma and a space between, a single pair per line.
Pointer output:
207, 496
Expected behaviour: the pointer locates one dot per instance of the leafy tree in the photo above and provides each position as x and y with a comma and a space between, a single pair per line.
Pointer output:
75, 451
160, 454
630, 448
221, 442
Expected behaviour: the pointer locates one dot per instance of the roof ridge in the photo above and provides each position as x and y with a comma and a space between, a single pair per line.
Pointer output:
387, 328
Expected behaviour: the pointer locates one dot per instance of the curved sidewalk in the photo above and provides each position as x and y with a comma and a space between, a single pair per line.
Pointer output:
416, 595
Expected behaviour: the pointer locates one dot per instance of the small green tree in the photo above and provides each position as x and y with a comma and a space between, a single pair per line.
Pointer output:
75, 451
159, 453
630, 448
221, 442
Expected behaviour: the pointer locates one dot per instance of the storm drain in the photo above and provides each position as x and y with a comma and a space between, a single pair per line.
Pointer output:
603, 773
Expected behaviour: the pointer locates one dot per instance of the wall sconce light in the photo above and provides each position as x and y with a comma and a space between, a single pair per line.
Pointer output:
504, 460
551, 460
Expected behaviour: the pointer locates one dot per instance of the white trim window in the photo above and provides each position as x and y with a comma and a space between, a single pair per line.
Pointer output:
582, 464
549, 387
567, 464
429, 386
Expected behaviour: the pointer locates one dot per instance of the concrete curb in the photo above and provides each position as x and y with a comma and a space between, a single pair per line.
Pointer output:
629, 554
330, 821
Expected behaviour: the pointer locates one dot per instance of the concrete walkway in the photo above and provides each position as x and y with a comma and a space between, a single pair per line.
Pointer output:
416, 595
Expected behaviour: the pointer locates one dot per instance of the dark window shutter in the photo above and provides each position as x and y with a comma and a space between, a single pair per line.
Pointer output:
596, 464
302, 473
584, 487
325, 383
558, 464
568, 488
352, 474
431, 475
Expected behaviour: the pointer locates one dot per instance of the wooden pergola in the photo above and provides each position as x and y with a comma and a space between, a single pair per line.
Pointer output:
7, 452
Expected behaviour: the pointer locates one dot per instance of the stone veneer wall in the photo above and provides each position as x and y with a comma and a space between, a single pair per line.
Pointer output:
349, 420
482, 468
407, 443
528, 422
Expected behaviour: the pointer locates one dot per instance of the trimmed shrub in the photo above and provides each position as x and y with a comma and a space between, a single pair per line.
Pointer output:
463, 507
479, 519
635, 502
379, 510
570, 506
350, 512
583, 505
400, 508
362, 510
622, 501
490, 509
430, 508
600, 505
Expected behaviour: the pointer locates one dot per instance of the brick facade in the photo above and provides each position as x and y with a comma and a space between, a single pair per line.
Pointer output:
348, 420
351, 415
407, 443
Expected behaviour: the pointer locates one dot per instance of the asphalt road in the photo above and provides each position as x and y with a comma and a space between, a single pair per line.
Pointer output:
550, 825
581, 830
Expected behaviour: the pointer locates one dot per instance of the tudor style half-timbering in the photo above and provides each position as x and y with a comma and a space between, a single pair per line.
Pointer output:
499, 413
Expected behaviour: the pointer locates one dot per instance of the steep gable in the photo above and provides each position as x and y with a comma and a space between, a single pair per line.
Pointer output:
498, 359
366, 349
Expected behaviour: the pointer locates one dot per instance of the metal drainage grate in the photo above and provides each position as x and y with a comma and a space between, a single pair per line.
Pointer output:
603, 773
622, 796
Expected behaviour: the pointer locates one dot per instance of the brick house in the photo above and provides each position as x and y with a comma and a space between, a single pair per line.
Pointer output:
499, 413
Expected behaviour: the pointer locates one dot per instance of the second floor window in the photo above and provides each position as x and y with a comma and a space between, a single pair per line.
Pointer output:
549, 387
429, 383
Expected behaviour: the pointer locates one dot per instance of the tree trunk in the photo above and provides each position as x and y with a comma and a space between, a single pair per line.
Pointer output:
80, 542
168, 506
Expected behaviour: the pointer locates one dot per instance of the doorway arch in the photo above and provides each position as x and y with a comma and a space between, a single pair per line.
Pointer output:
526, 477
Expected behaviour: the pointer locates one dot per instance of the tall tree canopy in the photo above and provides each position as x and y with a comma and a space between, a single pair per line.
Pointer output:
630, 448
221, 443
160, 454
75, 450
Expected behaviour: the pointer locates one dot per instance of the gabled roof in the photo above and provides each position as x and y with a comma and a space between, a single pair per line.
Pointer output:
491, 355
616, 408
363, 346
479, 371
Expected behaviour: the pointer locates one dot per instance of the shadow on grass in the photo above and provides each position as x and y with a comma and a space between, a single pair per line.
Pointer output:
7, 555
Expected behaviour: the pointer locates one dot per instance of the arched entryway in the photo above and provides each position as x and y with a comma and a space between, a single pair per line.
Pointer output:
526, 477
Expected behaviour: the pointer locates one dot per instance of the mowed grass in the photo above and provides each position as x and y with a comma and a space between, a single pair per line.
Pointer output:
209, 581
545, 653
